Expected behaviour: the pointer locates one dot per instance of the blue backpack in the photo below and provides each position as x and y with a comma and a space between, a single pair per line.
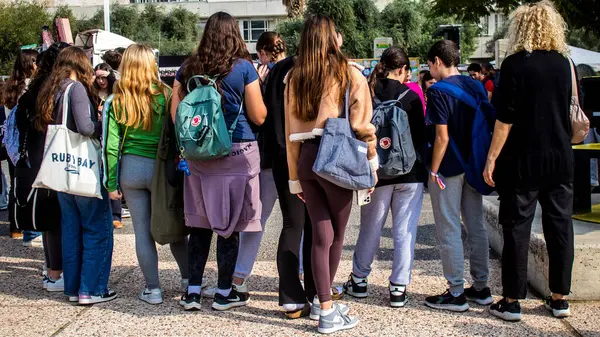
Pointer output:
395, 147
481, 135
11, 136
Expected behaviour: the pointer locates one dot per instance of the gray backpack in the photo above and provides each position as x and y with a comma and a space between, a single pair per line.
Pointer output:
394, 143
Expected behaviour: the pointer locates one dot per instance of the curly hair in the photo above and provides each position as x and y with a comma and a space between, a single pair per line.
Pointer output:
537, 27
220, 47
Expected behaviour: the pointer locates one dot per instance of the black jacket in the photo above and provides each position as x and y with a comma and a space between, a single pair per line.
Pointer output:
271, 137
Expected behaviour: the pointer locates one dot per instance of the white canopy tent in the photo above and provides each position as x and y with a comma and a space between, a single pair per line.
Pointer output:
584, 56
97, 42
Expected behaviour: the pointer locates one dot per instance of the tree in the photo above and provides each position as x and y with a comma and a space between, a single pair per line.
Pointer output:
579, 14
290, 31
21, 24
294, 8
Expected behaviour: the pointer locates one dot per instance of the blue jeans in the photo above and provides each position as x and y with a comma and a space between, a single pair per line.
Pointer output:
87, 239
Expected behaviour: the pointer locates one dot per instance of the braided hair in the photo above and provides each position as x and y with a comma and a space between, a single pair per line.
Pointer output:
272, 43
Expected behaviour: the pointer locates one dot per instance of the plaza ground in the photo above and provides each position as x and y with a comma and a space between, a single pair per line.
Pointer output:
28, 310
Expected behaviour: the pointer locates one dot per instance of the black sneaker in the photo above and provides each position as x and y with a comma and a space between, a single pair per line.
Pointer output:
87, 299
190, 302
398, 296
559, 308
235, 299
507, 311
356, 287
447, 301
481, 297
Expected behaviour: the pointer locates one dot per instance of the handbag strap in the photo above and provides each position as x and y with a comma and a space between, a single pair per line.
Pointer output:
66, 104
574, 88
347, 102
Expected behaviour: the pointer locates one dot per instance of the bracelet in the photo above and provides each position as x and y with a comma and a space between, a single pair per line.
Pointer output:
433, 174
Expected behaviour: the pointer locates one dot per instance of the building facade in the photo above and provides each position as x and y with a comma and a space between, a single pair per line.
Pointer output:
489, 26
254, 16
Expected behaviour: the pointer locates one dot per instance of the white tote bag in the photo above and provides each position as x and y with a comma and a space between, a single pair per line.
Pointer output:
71, 162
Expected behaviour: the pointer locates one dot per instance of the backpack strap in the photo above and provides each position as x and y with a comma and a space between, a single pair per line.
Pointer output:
404, 93
347, 102
456, 92
234, 124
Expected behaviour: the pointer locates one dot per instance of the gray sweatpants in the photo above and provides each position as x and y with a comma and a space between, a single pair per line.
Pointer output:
136, 184
448, 204
250, 241
405, 201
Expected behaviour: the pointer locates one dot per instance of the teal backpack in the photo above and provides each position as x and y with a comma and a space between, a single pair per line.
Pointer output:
200, 125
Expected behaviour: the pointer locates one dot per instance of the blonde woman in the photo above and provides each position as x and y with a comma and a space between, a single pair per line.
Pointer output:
134, 126
530, 158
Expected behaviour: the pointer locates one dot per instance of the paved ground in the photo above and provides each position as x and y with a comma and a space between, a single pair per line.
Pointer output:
27, 310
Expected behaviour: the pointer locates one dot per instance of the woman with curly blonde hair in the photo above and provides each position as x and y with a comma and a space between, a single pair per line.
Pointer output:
134, 125
530, 158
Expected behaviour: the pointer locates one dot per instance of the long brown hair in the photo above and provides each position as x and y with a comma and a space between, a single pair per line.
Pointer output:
220, 46
23, 69
319, 65
392, 58
138, 88
69, 60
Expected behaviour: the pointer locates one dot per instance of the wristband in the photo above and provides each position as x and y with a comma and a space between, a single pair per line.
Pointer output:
438, 179
295, 187
374, 163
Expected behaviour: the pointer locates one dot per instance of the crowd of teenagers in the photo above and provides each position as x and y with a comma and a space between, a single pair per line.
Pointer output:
276, 118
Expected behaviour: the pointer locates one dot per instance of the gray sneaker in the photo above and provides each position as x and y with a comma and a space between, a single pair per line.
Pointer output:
315, 309
153, 296
336, 321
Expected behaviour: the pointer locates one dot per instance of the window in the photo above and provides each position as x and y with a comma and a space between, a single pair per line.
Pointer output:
485, 25
252, 29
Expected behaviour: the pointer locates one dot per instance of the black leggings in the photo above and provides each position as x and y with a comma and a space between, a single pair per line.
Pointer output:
11, 198
53, 248
295, 220
198, 250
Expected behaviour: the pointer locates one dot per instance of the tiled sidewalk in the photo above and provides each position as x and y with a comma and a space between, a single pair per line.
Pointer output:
27, 310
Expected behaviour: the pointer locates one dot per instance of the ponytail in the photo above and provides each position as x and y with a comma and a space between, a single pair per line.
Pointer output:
380, 71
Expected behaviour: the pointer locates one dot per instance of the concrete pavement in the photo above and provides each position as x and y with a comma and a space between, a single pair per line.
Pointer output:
27, 310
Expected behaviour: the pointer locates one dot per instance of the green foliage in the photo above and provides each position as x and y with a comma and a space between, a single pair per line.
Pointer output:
291, 30
20, 24
409, 22
579, 14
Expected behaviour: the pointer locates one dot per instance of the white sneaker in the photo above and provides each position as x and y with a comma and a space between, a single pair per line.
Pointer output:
153, 296
37, 242
125, 214
315, 309
55, 286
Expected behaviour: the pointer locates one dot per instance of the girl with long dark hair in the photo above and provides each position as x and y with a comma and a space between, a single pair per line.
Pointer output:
23, 70
87, 233
315, 92
32, 142
228, 185
402, 195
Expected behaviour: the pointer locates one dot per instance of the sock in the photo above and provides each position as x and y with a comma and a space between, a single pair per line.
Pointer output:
223, 292
293, 307
194, 289
327, 312
316, 301
399, 287
357, 279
